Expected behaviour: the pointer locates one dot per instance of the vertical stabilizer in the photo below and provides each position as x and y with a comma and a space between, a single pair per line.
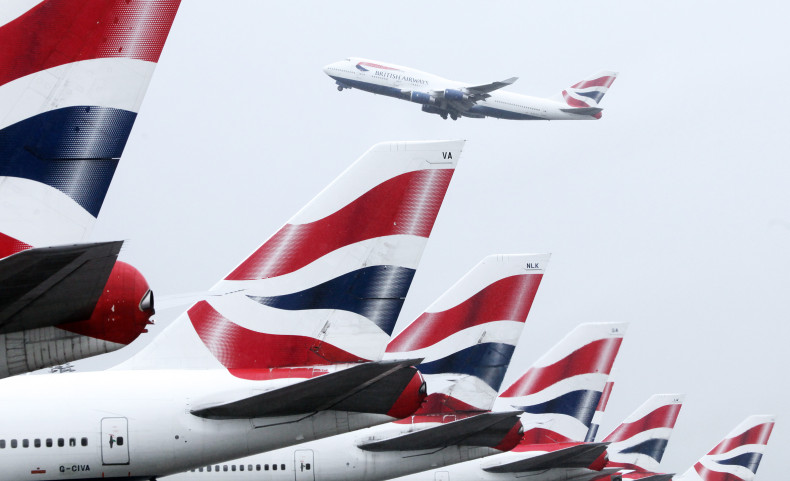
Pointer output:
328, 286
737, 456
73, 74
468, 335
559, 393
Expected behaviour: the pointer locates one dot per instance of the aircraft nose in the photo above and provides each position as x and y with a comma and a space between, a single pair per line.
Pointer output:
328, 68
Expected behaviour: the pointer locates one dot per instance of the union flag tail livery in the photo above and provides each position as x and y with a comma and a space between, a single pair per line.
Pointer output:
328, 286
737, 456
559, 393
73, 74
639, 442
599, 410
583, 97
467, 337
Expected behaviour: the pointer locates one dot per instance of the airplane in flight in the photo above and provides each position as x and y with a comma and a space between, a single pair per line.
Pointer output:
73, 74
453, 99
466, 339
288, 353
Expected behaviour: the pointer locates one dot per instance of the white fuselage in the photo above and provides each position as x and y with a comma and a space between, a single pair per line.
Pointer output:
138, 424
399, 82
338, 459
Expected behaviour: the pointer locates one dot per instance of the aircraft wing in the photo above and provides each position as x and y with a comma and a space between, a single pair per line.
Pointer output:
48, 286
576, 456
488, 88
487, 429
371, 387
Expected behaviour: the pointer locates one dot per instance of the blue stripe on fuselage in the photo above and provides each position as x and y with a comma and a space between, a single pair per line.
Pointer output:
578, 404
73, 149
487, 361
375, 292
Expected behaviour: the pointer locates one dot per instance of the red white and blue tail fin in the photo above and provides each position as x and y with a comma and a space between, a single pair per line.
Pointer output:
328, 286
737, 456
73, 74
639, 442
599, 411
559, 393
584, 97
468, 335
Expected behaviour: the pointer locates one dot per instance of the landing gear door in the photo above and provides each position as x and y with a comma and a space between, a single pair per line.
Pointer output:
114, 441
303, 465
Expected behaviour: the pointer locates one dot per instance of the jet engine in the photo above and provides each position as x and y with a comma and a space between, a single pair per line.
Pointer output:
451, 94
421, 98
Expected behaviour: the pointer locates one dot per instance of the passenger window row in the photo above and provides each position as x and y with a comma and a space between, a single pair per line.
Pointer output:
48, 442
241, 467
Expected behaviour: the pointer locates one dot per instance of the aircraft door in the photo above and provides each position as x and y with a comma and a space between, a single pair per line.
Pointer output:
304, 470
442, 476
114, 441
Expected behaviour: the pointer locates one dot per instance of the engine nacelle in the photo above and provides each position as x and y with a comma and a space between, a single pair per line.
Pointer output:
451, 94
421, 98
434, 110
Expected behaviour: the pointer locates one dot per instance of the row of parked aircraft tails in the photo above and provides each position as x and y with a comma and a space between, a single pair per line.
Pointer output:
289, 370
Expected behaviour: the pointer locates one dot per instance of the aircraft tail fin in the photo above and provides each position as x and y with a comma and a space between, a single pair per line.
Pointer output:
584, 97
599, 412
73, 75
737, 456
639, 442
468, 335
328, 286
560, 391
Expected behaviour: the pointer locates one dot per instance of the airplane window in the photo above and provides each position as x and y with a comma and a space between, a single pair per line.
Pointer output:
265, 466
120, 440
241, 467
61, 442
274, 467
25, 443
200, 469
37, 443
224, 467
216, 467
13, 443
282, 467
84, 441
49, 442
307, 466
233, 467
2, 443
249, 467
72, 442
257, 467
208, 468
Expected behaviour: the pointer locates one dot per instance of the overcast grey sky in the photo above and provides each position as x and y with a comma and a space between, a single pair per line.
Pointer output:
671, 212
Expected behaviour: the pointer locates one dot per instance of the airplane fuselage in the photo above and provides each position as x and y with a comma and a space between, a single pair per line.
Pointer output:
421, 87
138, 424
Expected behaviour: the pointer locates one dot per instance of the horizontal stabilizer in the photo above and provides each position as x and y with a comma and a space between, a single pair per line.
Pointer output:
657, 477
371, 387
583, 110
486, 429
577, 456
48, 286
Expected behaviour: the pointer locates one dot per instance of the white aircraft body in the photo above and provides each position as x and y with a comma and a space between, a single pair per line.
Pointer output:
455, 99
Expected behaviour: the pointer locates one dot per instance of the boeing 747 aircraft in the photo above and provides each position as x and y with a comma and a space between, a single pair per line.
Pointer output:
458, 99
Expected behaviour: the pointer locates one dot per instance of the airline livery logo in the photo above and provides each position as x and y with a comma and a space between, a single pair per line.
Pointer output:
737, 457
365, 66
